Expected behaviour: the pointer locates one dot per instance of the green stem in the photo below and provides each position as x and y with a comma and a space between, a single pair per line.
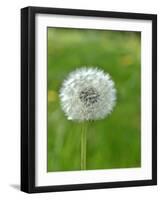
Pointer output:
83, 145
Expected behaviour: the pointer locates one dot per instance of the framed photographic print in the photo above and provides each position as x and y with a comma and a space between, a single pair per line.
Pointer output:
88, 99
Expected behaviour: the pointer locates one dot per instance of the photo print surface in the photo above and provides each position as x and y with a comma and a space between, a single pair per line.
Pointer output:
94, 99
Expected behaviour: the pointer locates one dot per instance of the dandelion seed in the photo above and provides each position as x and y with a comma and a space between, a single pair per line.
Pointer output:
87, 94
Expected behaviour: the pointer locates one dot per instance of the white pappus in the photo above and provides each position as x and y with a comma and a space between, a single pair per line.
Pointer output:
88, 93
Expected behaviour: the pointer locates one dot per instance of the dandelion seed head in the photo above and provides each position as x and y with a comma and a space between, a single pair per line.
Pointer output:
87, 94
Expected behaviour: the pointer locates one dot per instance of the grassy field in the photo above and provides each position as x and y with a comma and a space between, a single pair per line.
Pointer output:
115, 141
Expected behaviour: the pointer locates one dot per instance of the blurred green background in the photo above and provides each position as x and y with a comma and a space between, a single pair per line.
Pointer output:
114, 142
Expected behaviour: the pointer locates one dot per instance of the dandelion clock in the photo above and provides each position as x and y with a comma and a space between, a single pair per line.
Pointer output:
87, 94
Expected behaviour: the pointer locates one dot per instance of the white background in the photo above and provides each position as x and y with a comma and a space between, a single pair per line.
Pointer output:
10, 99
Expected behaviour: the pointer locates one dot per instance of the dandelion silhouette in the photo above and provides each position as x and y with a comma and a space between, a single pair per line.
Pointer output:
87, 94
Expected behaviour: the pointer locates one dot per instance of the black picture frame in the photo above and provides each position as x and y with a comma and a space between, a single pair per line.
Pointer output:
28, 98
